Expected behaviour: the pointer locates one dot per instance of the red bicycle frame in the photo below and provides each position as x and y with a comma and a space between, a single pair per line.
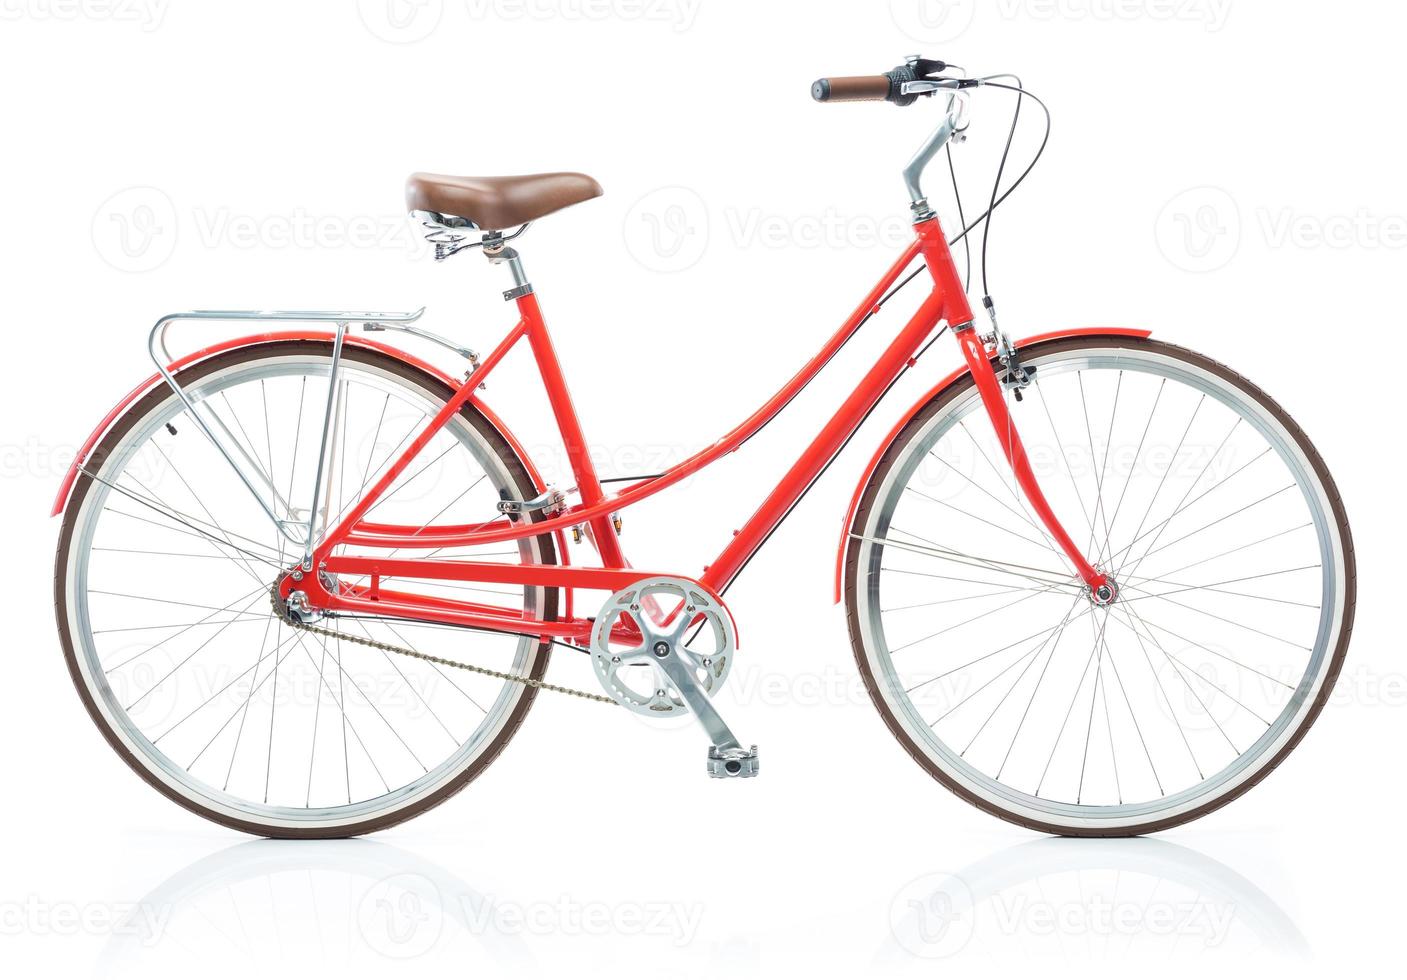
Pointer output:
945, 303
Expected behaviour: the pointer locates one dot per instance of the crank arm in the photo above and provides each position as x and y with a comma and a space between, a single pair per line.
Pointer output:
726, 755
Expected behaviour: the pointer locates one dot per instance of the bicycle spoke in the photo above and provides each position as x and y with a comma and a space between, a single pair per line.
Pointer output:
987, 656
966, 580
252, 618
1006, 607
1236, 550
934, 550
1157, 528
1065, 721
437, 668
454, 739
407, 482
198, 708
1214, 587
241, 711
1133, 465
199, 503
1093, 697
1202, 646
1059, 634
165, 677
1157, 491
1046, 637
973, 517
1179, 666
1064, 456
943, 602
1099, 510
317, 712
372, 705
1167, 702
991, 496
191, 524
186, 629
1204, 527
1002, 479
1133, 717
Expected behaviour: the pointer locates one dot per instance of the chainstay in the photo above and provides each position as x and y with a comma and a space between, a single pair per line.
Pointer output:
280, 609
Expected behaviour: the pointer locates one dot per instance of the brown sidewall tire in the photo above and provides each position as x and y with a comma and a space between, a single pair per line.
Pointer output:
940, 401
500, 446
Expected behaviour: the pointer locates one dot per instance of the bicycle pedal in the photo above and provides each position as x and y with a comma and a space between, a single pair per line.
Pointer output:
734, 763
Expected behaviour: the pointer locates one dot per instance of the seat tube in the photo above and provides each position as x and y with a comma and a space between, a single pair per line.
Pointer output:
958, 313
569, 426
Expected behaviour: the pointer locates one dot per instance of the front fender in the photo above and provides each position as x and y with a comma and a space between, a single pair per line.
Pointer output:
81, 457
932, 393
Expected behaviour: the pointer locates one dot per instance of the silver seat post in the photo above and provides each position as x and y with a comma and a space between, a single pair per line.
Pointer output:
498, 253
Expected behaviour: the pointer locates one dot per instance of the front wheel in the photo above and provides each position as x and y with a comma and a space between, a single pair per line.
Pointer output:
1223, 535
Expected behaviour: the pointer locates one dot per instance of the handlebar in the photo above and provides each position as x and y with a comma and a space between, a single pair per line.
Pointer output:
852, 88
892, 86
903, 86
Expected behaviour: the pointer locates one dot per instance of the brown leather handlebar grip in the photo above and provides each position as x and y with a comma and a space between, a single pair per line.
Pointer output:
851, 88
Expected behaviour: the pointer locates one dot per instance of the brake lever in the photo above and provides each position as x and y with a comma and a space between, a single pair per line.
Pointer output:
927, 86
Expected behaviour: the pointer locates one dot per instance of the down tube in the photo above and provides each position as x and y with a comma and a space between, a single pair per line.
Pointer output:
719, 575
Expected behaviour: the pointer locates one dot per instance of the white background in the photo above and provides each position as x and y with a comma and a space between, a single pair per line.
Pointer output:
1227, 173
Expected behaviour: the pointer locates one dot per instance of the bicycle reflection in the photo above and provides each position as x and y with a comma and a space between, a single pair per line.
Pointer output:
1087, 900
359, 907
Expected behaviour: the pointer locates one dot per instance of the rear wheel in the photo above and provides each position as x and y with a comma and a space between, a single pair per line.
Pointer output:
1005, 679
162, 589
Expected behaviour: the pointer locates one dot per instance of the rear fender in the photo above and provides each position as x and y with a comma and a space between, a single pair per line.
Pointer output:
934, 392
81, 457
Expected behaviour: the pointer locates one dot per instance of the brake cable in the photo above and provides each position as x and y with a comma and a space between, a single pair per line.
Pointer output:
984, 218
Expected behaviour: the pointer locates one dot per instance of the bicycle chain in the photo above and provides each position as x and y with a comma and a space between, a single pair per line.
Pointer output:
281, 610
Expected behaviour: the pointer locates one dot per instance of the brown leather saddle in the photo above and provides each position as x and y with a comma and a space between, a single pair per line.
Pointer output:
498, 203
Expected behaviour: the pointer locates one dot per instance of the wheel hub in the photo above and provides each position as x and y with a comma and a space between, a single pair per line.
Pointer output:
1104, 594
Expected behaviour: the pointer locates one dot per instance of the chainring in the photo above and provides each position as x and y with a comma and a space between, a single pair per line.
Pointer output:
660, 610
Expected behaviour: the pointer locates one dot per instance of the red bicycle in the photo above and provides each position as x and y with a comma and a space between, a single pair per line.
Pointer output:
307, 584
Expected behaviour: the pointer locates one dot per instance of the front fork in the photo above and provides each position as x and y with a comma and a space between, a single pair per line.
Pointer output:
989, 386
958, 313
